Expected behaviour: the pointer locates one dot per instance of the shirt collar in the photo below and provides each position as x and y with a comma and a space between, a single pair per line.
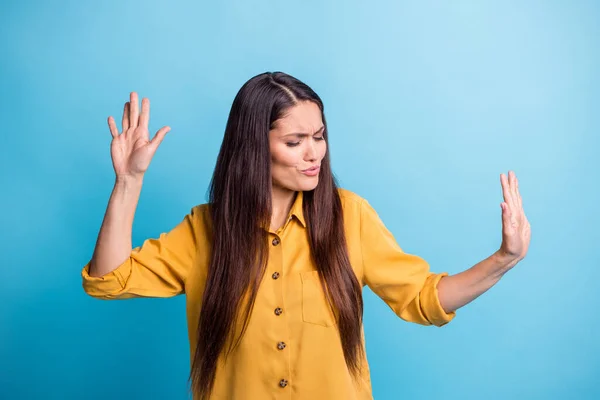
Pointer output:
297, 209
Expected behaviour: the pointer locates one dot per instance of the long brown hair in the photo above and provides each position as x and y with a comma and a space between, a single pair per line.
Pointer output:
240, 205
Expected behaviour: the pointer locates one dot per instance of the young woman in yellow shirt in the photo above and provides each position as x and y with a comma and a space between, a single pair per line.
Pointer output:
274, 264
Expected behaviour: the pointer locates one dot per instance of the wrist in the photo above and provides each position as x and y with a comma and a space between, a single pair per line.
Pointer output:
129, 180
503, 262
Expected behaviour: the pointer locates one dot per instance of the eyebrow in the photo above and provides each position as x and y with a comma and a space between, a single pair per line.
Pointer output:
301, 134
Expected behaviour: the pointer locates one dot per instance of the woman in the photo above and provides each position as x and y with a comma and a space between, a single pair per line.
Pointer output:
274, 264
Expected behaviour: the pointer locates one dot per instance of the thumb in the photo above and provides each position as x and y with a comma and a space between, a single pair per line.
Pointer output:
158, 138
506, 214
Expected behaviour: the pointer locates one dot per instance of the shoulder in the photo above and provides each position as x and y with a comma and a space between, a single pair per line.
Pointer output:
352, 203
200, 217
199, 211
200, 208
350, 197
357, 207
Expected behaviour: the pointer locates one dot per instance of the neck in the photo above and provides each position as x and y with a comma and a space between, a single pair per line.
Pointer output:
281, 200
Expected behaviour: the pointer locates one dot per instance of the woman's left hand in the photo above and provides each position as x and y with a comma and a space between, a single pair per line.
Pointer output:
516, 231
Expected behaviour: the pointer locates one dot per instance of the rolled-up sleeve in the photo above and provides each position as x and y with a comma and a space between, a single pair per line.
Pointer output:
403, 281
157, 268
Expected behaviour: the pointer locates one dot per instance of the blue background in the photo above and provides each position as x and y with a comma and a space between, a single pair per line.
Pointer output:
427, 103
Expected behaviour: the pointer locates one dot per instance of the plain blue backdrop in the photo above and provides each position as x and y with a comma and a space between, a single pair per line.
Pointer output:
427, 103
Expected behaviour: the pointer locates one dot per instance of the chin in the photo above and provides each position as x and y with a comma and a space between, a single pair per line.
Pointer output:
308, 186
298, 185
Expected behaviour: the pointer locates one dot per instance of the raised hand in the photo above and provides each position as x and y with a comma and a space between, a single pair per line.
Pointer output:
516, 231
132, 149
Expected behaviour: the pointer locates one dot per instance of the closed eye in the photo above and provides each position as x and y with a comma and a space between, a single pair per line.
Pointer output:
294, 144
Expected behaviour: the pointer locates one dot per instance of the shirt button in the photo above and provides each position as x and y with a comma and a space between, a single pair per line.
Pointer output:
281, 345
275, 275
276, 242
278, 311
283, 383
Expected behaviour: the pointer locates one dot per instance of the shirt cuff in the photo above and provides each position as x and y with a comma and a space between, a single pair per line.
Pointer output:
430, 300
107, 285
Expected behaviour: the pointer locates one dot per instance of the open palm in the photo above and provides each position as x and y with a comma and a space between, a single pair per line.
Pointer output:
132, 150
516, 231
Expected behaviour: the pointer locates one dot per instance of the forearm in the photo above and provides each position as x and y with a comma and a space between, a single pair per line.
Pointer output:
113, 245
460, 289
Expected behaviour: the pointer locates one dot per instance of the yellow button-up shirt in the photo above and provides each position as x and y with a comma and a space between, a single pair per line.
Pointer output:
291, 348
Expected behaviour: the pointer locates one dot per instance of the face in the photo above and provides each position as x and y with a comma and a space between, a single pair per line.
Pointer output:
297, 145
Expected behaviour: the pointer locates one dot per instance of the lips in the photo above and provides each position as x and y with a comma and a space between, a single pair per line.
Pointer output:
311, 169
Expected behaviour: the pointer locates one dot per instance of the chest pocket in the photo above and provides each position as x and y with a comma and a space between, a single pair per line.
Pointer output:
315, 308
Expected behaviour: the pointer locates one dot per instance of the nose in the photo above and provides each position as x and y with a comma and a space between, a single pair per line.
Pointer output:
310, 154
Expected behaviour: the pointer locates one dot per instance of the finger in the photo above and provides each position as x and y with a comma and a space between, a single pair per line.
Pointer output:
125, 120
145, 115
506, 216
519, 199
113, 127
133, 110
519, 213
160, 135
512, 184
506, 190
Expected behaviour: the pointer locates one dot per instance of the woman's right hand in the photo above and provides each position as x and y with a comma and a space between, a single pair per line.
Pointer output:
132, 149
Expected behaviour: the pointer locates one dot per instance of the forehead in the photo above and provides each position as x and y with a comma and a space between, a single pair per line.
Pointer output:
304, 117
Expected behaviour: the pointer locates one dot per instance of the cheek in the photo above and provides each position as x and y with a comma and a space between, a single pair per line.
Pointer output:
323, 149
285, 157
